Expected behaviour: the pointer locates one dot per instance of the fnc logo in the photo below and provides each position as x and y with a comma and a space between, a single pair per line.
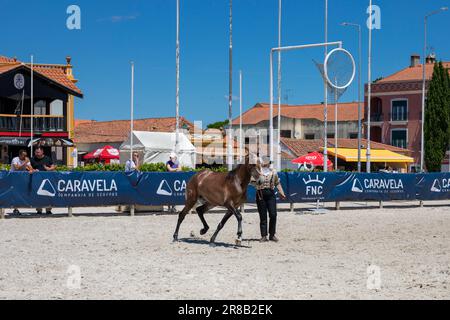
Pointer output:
177, 189
314, 186
440, 186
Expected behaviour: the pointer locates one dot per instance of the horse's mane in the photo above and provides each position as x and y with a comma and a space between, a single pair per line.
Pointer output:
232, 174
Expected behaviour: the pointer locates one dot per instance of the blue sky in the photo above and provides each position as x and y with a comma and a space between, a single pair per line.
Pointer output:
115, 32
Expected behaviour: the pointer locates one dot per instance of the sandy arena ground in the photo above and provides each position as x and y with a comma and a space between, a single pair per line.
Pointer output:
319, 256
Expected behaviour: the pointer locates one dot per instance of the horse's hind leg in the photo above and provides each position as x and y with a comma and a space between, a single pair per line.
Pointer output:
201, 213
221, 225
181, 218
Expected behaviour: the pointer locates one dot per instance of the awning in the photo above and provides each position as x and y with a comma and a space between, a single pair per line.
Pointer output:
377, 155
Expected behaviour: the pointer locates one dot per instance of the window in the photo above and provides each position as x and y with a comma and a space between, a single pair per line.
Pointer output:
56, 108
40, 108
310, 136
399, 110
330, 136
286, 134
353, 136
400, 138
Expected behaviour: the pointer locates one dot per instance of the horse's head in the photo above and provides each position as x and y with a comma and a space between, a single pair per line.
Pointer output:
253, 165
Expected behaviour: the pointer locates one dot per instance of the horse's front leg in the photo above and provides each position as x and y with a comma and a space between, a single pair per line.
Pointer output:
221, 225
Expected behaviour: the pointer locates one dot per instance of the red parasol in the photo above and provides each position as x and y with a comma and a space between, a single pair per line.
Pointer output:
314, 158
105, 153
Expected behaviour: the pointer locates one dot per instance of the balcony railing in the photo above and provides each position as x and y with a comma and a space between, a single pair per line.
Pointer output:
12, 123
399, 116
378, 117
400, 143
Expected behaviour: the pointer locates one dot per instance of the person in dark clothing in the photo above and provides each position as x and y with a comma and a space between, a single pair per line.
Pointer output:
266, 201
43, 163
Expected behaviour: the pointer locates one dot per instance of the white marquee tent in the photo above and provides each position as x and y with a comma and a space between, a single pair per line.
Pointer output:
156, 147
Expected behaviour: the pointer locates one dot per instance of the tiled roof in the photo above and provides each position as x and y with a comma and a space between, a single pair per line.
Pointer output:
303, 147
261, 112
55, 73
413, 73
119, 130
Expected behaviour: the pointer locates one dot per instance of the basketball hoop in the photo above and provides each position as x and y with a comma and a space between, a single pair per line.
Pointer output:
339, 69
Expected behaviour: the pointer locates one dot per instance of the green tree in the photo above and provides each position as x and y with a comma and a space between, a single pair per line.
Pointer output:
219, 125
437, 118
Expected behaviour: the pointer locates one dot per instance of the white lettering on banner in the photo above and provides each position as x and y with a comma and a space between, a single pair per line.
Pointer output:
179, 186
383, 184
446, 183
87, 186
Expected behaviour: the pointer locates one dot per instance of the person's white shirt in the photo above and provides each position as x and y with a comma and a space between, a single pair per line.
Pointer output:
17, 162
130, 166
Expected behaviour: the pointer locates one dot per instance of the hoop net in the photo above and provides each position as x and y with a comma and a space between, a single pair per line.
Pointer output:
339, 68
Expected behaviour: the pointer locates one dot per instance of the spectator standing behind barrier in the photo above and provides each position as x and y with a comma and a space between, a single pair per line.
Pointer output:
267, 200
173, 165
43, 163
132, 164
21, 164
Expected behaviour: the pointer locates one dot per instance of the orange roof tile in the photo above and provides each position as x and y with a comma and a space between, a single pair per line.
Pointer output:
261, 112
413, 73
118, 131
55, 73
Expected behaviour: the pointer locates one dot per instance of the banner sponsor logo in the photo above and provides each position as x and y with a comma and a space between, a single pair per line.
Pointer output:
376, 185
78, 188
441, 185
314, 185
178, 188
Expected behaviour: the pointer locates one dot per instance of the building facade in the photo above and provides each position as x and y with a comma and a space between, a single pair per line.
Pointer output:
50, 121
302, 121
396, 107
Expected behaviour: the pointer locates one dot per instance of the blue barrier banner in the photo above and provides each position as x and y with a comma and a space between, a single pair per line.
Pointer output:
312, 187
375, 187
433, 186
81, 189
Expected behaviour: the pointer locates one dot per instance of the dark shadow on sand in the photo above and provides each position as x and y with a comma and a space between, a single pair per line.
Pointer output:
217, 244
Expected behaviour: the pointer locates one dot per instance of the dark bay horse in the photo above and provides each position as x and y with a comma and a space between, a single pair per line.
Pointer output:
208, 190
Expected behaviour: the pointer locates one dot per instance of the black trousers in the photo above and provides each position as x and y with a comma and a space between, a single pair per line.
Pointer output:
267, 203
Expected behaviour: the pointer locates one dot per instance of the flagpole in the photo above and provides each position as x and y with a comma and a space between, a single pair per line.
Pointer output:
132, 113
325, 119
32, 105
177, 141
230, 97
279, 85
369, 93
241, 134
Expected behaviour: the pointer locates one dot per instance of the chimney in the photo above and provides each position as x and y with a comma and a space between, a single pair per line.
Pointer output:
431, 58
415, 60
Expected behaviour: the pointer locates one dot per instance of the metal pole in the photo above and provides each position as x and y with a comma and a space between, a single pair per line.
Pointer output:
132, 113
177, 138
359, 101
271, 107
369, 92
359, 92
230, 97
279, 85
325, 118
241, 134
32, 105
422, 127
335, 128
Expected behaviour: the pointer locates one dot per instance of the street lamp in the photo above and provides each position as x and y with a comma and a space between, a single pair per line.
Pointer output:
424, 84
359, 91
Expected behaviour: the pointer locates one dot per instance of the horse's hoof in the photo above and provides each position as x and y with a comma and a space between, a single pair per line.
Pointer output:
204, 231
238, 242
212, 244
175, 239
192, 234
